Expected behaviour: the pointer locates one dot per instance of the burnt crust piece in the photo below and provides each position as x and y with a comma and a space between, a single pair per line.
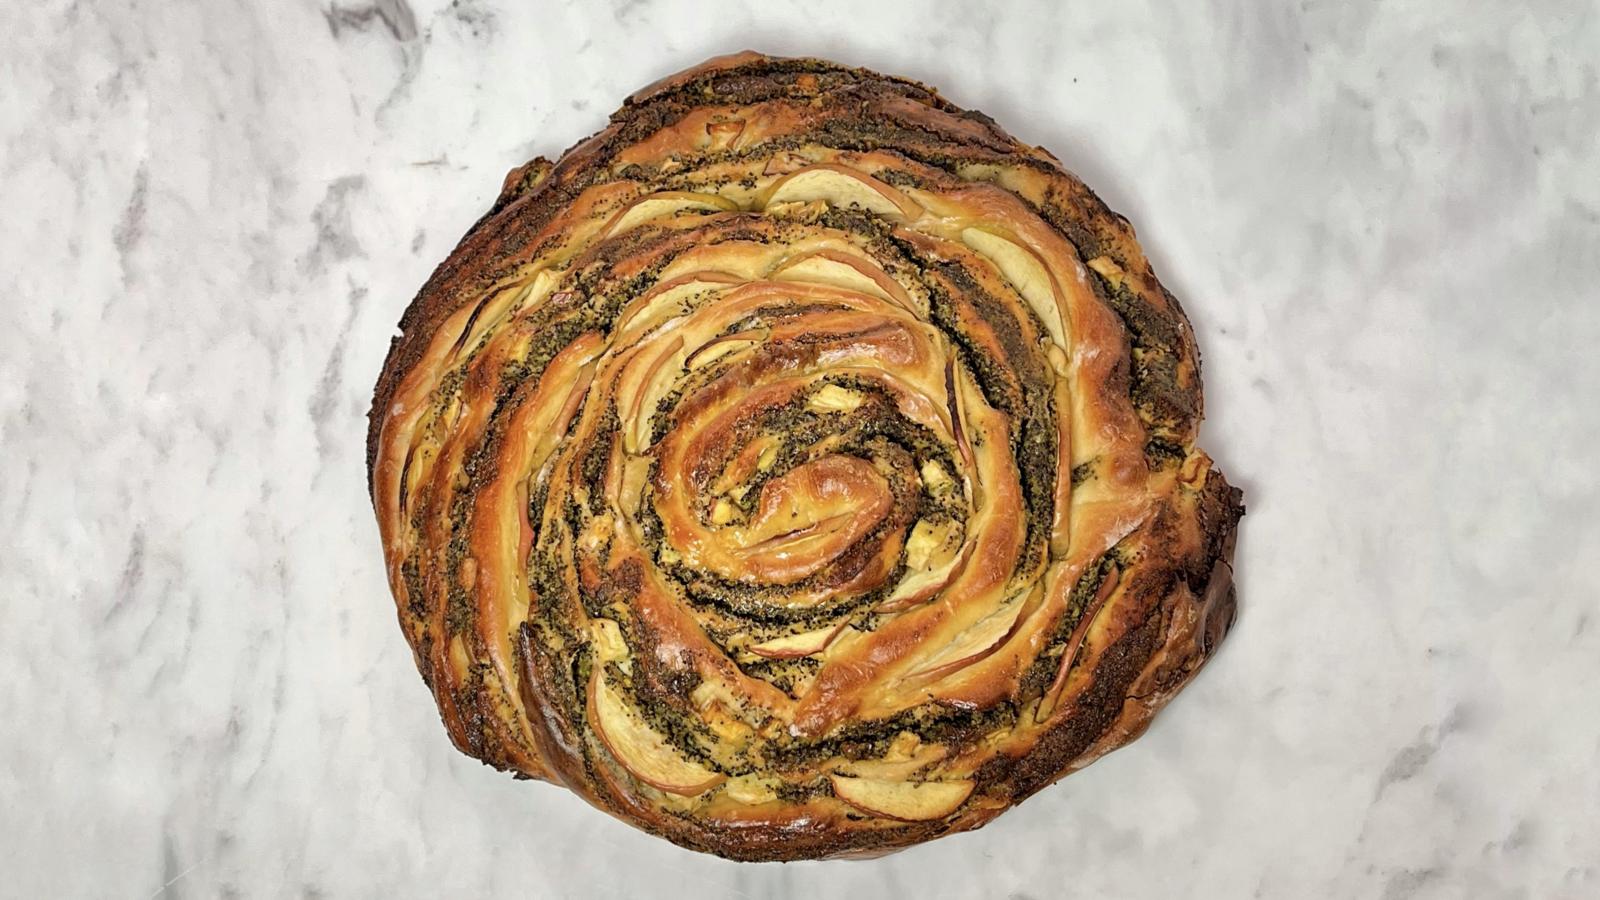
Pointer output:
800, 467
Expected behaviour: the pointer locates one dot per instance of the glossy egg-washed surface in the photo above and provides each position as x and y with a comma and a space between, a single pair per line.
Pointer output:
799, 467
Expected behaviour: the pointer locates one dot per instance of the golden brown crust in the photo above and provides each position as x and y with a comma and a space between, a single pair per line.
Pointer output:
799, 467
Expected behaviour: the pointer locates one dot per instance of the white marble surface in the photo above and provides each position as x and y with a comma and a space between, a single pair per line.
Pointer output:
1384, 220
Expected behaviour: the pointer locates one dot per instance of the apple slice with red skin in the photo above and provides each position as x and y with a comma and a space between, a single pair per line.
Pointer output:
662, 205
797, 645
979, 641
907, 801
1052, 696
644, 753
840, 186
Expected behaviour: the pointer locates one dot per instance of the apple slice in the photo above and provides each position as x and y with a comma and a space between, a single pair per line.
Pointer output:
1069, 655
723, 134
906, 756
641, 393
605, 638
840, 187
978, 641
639, 749
666, 301
833, 398
931, 561
666, 203
1026, 273
904, 800
716, 349
842, 271
796, 645
752, 790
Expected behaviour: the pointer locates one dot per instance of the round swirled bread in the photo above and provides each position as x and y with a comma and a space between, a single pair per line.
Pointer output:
799, 467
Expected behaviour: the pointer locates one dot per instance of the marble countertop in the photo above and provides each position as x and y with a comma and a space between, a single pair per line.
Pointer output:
1383, 219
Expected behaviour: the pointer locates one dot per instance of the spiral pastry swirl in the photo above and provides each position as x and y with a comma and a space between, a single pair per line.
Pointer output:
799, 467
